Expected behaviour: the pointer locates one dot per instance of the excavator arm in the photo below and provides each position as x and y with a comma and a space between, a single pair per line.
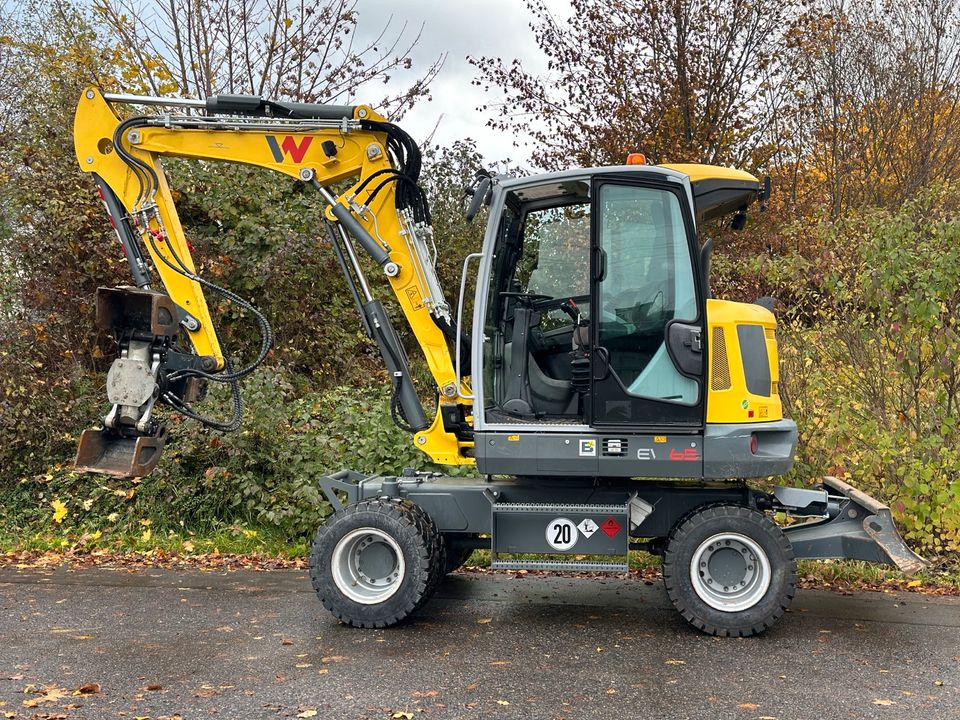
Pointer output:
169, 346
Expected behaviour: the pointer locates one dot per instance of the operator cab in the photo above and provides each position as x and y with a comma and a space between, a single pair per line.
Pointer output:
592, 300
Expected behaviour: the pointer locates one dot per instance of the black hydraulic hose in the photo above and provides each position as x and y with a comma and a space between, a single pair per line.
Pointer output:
146, 175
266, 332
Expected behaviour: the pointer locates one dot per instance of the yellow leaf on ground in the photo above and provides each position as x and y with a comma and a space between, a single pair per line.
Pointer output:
484, 621
748, 706
307, 713
675, 662
402, 715
914, 583
503, 702
59, 511
881, 701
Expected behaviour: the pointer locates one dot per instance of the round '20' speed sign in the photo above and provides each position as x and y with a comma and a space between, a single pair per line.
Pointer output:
562, 534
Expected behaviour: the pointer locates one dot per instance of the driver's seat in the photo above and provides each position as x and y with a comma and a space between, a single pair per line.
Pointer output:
527, 389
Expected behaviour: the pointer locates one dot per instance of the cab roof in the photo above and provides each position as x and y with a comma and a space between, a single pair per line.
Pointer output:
716, 191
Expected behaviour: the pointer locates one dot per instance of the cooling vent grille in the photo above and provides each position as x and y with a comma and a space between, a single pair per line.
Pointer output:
720, 372
614, 447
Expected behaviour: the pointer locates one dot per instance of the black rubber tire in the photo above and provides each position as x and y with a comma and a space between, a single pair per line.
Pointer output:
456, 558
687, 536
438, 556
422, 547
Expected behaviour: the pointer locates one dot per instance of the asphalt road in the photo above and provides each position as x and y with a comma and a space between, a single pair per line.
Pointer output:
259, 645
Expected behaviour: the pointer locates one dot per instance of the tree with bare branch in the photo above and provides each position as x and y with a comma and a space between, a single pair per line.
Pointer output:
301, 50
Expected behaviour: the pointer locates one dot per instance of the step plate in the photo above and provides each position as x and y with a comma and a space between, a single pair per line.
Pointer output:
557, 528
567, 565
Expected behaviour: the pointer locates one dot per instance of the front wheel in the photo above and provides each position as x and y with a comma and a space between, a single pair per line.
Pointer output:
729, 570
375, 562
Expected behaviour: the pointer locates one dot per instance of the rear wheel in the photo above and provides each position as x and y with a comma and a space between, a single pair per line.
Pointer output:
729, 570
375, 562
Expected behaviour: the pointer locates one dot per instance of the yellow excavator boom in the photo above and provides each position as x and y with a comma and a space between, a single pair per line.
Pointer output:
322, 145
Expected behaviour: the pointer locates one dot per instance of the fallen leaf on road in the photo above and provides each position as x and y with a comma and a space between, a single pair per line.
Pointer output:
675, 662
938, 683
333, 658
154, 687
87, 689
402, 715
307, 713
286, 642
304, 665
428, 693
503, 702
914, 583
323, 671
484, 621
501, 662
881, 701
748, 706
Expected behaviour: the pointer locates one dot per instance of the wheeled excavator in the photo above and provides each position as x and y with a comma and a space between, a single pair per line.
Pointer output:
606, 401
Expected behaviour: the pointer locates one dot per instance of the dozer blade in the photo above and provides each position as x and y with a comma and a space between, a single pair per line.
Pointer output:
107, 452
862, 528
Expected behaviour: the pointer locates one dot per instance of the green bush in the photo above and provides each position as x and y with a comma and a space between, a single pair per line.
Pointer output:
263, 475
871, 363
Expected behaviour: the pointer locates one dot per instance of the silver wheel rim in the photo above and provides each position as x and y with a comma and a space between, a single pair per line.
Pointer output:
730, 572
367, 566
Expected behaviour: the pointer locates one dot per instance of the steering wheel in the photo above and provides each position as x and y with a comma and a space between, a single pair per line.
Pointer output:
525, 298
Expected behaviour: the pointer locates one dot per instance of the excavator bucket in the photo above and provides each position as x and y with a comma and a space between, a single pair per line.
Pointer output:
859, 527
110, 453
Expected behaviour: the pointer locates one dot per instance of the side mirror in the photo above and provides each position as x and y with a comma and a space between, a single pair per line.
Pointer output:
476, 194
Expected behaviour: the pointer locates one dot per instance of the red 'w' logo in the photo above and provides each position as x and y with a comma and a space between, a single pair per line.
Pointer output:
289, 147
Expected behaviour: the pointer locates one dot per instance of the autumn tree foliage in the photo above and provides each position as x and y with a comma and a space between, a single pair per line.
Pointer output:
866, 108
682, 80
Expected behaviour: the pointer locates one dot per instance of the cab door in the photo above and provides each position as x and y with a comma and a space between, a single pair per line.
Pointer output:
647, 340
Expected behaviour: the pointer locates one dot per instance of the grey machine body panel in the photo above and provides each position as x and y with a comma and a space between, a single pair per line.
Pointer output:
720, 452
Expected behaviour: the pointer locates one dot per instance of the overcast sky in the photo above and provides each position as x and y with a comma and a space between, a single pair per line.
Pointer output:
498, 28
